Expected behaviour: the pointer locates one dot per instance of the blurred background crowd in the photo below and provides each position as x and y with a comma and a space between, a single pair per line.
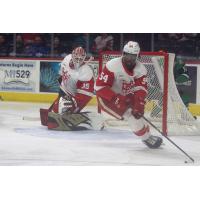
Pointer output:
57, 45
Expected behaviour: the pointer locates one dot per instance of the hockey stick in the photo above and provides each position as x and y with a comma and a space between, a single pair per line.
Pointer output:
168, 139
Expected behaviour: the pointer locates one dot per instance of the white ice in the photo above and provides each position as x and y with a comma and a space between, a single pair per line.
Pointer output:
25, 142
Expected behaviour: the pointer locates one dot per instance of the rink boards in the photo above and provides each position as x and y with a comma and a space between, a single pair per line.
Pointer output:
33, 97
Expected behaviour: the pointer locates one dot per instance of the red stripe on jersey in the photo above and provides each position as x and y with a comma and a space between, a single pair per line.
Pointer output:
141, 82
82, 100
86, 85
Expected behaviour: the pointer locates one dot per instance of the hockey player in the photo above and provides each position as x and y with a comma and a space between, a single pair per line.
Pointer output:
76, 90
121, 89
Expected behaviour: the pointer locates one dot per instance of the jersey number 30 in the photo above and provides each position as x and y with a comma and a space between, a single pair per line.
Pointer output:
103, 77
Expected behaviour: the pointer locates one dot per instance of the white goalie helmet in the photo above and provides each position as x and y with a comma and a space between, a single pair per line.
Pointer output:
78, 56
132, 48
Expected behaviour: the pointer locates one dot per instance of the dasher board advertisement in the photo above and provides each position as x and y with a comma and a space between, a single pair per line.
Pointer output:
18, 75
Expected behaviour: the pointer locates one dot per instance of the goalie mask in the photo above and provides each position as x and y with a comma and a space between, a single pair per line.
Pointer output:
130, 54
78, 57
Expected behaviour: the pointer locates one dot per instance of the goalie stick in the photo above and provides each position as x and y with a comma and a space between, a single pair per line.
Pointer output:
172, 142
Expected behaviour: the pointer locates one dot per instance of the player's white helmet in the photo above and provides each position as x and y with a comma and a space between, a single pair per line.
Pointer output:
130, 54
132, 48
78, 56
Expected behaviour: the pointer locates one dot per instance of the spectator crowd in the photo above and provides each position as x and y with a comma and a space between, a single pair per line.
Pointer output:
60, 44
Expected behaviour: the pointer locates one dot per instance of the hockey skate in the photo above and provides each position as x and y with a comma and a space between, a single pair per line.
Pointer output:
153, 142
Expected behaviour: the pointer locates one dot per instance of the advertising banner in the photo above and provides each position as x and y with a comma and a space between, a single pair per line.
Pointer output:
18, 75
49, 74
35, 76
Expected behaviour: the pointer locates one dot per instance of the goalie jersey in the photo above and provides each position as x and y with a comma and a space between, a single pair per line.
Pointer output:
76, 80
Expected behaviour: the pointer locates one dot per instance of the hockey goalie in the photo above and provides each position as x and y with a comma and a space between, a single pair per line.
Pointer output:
76, 90
121, 89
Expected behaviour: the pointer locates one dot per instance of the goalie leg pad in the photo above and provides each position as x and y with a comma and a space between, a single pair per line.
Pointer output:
73, 122
44, 112
44, 116
66, 122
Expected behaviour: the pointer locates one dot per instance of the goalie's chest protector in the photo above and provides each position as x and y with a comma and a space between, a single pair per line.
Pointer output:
123, 80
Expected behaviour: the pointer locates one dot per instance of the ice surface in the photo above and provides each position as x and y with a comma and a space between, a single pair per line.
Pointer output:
24, 142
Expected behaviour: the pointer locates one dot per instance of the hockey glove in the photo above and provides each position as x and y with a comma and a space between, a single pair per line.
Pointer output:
138, 107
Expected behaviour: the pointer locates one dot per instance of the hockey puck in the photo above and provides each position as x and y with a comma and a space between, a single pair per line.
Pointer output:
186, 161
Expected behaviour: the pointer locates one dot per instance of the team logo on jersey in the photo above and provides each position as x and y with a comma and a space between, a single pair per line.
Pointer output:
127, 87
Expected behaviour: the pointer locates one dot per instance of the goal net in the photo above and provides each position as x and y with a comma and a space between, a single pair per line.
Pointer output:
164, 106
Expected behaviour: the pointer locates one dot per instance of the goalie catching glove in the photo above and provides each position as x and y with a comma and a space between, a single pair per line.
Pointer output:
67, 104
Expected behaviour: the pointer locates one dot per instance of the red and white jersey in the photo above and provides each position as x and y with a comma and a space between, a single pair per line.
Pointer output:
76, 80
120, 80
